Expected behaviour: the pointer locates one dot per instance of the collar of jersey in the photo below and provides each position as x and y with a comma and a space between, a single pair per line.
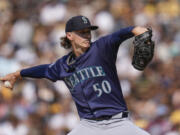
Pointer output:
72, 59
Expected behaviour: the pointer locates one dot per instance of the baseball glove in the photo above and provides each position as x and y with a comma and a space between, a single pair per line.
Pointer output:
143, 50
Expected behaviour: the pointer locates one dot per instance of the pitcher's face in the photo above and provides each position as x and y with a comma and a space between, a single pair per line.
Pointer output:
80, 38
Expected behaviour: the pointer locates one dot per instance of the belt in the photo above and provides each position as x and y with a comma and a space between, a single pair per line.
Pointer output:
119, 115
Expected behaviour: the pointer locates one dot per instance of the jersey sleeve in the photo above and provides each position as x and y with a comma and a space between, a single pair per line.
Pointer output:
48, 71
109, 44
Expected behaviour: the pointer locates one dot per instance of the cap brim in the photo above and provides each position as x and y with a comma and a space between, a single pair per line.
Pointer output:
93, 27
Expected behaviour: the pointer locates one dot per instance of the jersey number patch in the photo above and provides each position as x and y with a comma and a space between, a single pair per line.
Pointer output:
103, 87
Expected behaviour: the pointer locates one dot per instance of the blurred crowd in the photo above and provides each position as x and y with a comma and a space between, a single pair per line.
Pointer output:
30, 32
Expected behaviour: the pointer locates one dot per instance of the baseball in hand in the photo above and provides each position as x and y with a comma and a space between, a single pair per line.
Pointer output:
7, 84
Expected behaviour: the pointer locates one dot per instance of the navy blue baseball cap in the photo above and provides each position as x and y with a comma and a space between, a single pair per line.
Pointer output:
79, 23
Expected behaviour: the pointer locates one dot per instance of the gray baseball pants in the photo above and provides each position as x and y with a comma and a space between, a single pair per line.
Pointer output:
114, 126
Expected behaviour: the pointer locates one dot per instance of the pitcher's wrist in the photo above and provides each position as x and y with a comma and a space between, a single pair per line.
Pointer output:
17, 75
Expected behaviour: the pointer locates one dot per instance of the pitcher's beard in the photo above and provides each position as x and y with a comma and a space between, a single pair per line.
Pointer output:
79, 50
84, 46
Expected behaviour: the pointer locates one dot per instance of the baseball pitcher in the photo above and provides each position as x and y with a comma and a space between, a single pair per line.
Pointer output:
90, 73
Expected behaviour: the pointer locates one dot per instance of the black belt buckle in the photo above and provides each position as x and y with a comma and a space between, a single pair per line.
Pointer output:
125, 114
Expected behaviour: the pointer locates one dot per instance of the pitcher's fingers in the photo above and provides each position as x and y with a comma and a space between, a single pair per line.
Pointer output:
5, 78
2, 79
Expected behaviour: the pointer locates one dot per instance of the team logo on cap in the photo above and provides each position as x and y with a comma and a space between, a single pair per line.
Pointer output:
84, 19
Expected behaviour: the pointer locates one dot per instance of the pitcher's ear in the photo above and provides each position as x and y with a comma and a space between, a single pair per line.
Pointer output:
69, 35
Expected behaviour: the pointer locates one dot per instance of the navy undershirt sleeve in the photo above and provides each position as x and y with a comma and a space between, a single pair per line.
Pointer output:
119, 36
115, 39
109, 45
42, 71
